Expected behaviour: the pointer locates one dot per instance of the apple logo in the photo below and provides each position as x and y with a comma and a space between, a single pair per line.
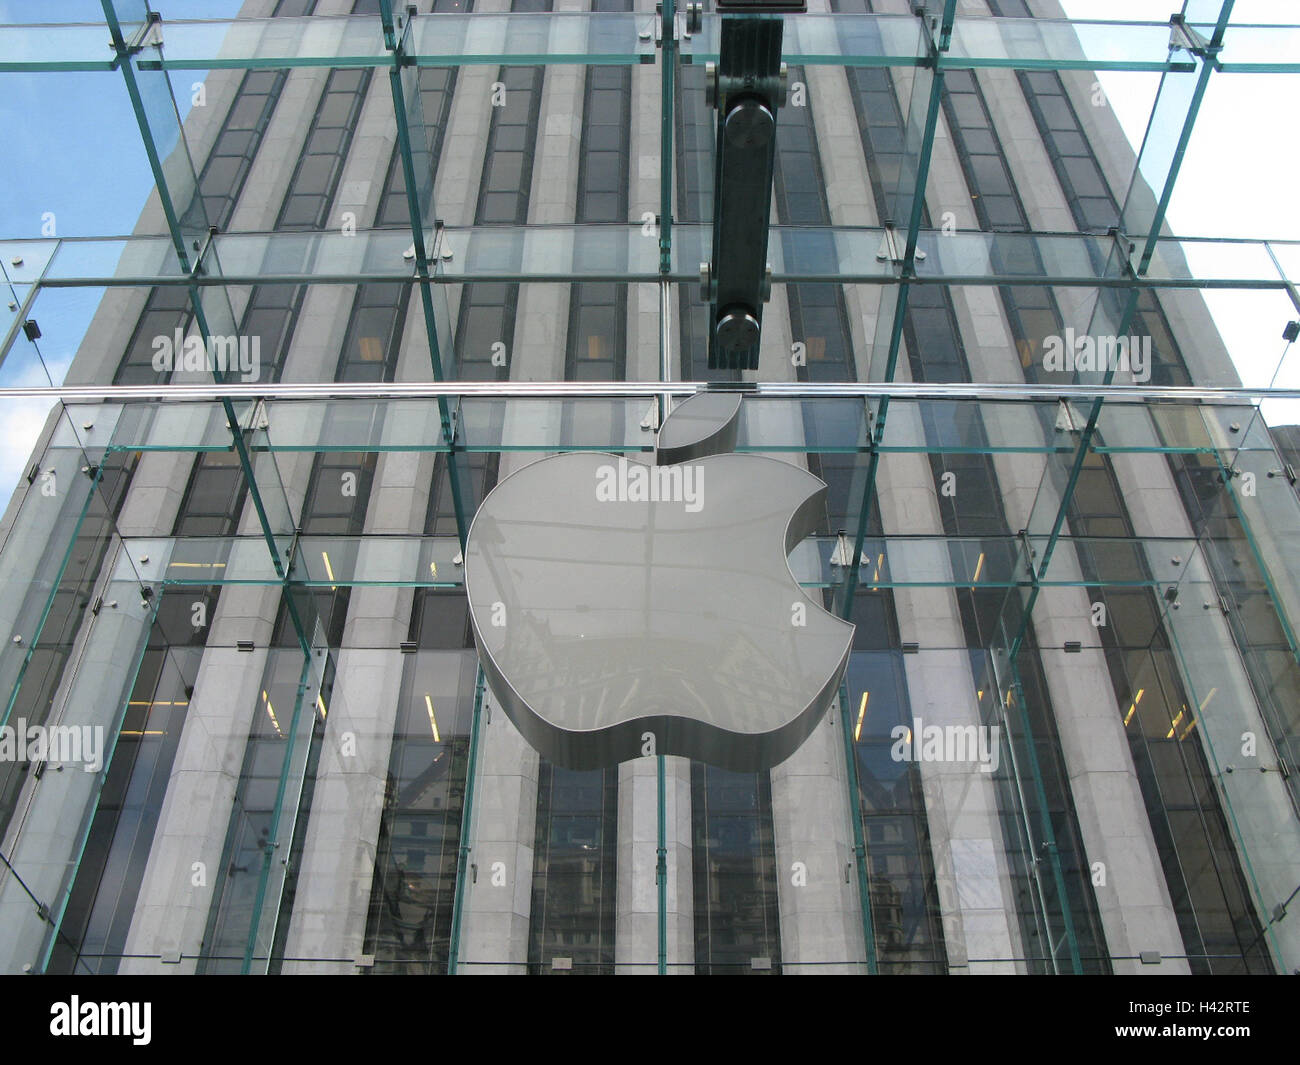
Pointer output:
622, 609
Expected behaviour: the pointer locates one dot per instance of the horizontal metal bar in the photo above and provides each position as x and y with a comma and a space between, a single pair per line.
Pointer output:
569, 37
625, 253
894, 560
615, 389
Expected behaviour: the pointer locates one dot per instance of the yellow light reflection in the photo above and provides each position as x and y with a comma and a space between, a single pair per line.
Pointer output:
1133, 706
433, 721
862, 711
1173, 727
270, 712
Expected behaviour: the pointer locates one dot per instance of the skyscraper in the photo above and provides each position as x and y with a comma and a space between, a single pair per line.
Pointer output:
1066, 740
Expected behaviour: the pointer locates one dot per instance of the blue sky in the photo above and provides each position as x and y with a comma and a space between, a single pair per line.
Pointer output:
1238, 179
72, 148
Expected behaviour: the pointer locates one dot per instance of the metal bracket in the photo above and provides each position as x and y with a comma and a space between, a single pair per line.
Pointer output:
892, 248
843, 553
147, 36
932, 32
1124, 247
1286, 471
257, 418
692, 19
203, 251
1030, 553
291, 553
403, 25
650, 423
437, 247
1183, 36
659, 26
1067, 419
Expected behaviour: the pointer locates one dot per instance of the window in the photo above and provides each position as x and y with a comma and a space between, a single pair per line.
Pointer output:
214, 497
574, 877
734, 868
320, 163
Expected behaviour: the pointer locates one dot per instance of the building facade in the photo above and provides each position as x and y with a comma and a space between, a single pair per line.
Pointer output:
1067, 737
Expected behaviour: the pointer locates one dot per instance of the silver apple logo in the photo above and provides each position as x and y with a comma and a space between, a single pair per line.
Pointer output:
622, 609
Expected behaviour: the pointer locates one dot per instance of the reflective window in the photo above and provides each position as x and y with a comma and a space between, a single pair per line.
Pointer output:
485, 326
408, 927
93, 933
597, 339
733, 855
214, 498
905, 909
320, 164
574, 882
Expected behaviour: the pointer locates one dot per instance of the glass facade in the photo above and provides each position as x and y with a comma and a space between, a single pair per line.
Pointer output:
397, 254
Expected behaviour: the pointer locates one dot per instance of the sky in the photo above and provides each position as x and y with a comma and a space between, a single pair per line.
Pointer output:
1238, 179
73, 151
64, 133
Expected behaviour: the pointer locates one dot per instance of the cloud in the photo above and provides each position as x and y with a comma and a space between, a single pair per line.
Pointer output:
21, 422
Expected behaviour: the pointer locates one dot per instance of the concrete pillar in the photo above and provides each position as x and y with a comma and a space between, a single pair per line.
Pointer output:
499, 902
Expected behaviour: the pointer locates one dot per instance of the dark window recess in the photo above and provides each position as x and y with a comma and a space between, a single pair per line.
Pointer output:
818, 317
166, 311
733, 858
440, 620
571, 929
214, 497
597, 339
248, 838
338, 492
270, 318
905, 907
436, 86
93, 933
485, 326
320, 163
374, 334
223, 174
508, 162
481, 469
408, 927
